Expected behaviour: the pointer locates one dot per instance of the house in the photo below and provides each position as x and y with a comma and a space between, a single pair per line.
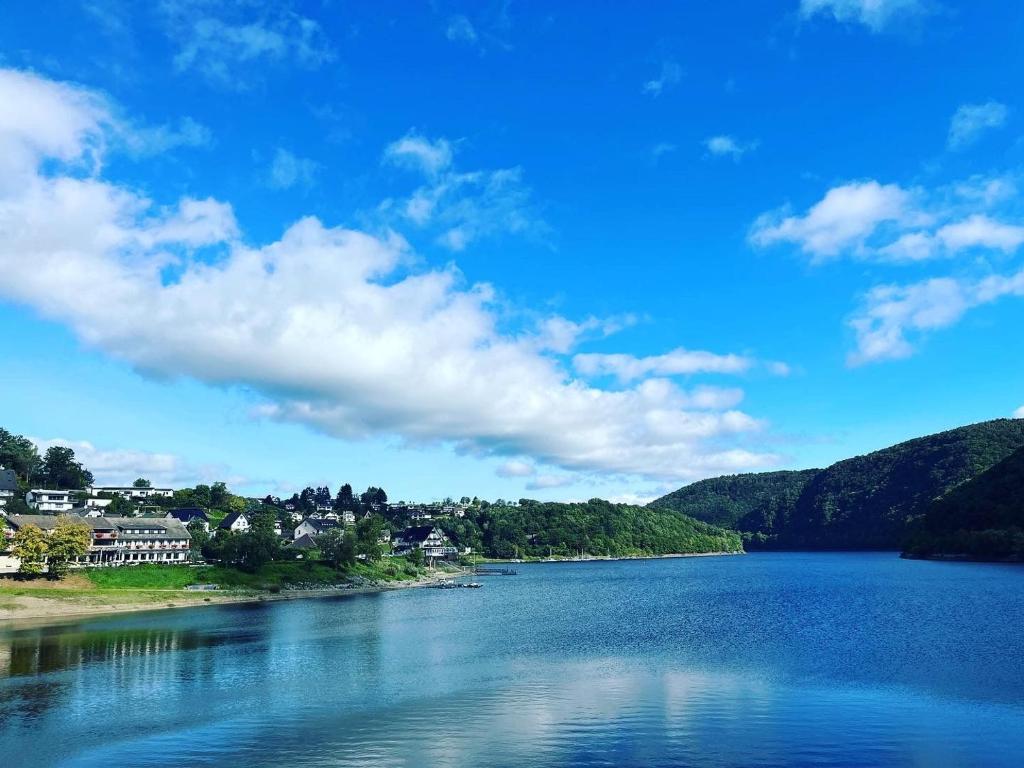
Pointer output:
236, 522
130, 492
122, 540
94, 504
8, 486
49, 501
305, 542
348, 517
324, 514
428, 538
313, 527
186, 515
419, 513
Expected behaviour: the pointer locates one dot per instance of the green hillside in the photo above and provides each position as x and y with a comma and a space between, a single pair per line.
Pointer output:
983, 517
752, 502
867, 502
597, 527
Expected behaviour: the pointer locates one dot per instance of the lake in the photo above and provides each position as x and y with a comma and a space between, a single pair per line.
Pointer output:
779, 659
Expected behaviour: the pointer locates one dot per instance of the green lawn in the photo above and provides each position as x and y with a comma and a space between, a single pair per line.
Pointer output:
273, 576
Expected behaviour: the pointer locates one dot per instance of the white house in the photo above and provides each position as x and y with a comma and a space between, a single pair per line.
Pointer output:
313, 527
131, 492
49, 501
236, 522
348, 517
428, 538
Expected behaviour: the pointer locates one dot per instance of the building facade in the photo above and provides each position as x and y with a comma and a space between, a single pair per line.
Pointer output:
49, 500
120, 540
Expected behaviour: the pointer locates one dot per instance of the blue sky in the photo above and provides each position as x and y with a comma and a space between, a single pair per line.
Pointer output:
506, 249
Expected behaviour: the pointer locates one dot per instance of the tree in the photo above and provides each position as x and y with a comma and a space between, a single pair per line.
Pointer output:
200, 536
120, 507
220, 497
368, 531
337, 547
415, 557
30, 547
345, 500
18, 453
60, 470
142, 483
201, 496
69, 540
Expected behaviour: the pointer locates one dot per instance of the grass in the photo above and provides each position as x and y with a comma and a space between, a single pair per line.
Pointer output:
272, 577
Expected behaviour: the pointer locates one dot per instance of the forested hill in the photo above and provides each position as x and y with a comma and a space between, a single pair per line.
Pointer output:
596, 527
983, 517
864, 502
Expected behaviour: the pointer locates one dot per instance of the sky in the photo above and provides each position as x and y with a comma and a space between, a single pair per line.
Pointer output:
506, 249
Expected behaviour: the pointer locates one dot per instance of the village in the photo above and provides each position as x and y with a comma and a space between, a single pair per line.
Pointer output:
142, 524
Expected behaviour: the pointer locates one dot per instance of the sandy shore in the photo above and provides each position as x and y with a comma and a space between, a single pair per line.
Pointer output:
55, 605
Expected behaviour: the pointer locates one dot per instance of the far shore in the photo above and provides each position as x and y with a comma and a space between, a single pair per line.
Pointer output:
599, 558
52, 605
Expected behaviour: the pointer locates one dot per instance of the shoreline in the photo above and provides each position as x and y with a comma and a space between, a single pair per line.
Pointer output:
603, 558
17, 611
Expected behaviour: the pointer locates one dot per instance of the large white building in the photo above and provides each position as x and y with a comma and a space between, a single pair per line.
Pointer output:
121, 540
131, 492
50, 501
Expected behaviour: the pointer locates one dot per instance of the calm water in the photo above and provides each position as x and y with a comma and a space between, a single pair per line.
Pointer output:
767, 659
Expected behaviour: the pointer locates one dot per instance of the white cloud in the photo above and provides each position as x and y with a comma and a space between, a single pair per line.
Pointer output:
461, 206
460, 29
970, 121
120, 466
679, 361
326, 324
729, 146
225, 43
420, 153
662, 148
516, 468
893, 316
143, 141
874, 14
980, 231
1019, 413
671, 74
843, 220
287, 170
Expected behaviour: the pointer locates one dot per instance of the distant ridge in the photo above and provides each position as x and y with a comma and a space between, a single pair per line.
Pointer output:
866, 502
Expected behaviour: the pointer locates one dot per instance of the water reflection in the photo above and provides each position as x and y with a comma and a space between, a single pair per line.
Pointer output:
791, 660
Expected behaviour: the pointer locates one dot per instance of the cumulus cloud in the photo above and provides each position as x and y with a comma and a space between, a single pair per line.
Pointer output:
287, 170
970, 121
327, 324
729, 146
876, 15
843, 220
516, 468
1019, 413
678, 361
892, 317
121, 466
461, 207
671, 74
888, 222
223, 43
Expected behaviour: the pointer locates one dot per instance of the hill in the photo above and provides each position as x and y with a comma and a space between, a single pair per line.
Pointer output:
982, 518
866, 502
597, 527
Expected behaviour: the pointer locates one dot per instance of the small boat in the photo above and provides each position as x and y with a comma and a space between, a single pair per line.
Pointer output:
472, 585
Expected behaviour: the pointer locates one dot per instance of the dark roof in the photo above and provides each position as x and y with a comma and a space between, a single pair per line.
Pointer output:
320, 525
305, 541
415, 534
188, 514
227, 522
8, 480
